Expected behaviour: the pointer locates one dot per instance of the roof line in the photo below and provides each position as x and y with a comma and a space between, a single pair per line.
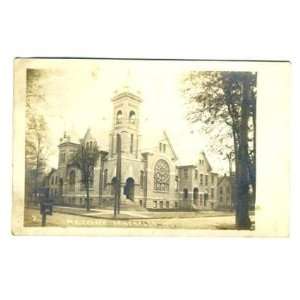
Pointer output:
167, 137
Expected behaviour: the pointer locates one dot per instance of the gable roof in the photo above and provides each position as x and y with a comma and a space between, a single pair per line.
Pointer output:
150, 141
99, 136
170, 144
203, 155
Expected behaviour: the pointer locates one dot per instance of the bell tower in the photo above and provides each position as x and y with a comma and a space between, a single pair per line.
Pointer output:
126, 115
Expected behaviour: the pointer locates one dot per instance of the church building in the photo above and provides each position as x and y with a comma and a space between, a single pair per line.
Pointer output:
151, 177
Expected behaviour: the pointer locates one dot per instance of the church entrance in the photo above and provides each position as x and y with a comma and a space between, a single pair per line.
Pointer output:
129, 189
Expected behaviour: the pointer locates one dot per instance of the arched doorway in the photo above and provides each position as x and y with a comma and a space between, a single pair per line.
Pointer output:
129, 188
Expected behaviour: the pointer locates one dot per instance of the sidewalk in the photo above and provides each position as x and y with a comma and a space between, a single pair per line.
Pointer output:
108, 213
98, 213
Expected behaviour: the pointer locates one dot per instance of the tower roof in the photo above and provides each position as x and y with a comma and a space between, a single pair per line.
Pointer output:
126, 92
127, 89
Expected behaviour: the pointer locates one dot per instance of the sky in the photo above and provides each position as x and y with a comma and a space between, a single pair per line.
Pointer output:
78, 96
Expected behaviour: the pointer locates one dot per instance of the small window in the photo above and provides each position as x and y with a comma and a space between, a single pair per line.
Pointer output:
212, 179
212, 192
206, 179
201, 179
185, 173
167, 204
164, 147
155, 204
176, 204
161, 204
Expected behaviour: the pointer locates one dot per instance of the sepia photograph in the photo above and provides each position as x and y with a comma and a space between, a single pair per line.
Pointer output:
139, 144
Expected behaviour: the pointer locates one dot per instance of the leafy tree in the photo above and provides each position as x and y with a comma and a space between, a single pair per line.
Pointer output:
85, 159
225, 104
36, 137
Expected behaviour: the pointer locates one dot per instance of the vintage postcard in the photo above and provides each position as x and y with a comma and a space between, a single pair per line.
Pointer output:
151, 147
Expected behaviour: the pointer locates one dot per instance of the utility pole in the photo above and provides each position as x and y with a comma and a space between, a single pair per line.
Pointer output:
118, 177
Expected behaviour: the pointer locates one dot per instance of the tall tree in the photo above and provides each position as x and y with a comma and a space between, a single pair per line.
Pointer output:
225, 102
85, 159
36, 151
36, 137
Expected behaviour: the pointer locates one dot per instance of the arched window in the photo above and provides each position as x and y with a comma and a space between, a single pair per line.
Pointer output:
119, 117
196, 194
89, 145
132, 117
161, 176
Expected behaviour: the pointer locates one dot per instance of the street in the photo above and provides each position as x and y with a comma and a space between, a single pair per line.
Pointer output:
134, 219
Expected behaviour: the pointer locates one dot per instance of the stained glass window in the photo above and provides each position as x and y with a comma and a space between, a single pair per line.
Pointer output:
161, 176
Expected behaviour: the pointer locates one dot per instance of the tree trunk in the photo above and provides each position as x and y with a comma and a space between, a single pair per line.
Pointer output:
254, 154
101, 178
234, 194
232, 190
36, 180
242, 208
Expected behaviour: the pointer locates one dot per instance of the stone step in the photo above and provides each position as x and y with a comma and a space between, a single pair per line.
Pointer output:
127, 204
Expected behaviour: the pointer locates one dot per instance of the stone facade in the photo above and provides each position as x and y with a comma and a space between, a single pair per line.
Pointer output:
150, 179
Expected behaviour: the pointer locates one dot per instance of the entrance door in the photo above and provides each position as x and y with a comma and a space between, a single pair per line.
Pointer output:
129, 189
